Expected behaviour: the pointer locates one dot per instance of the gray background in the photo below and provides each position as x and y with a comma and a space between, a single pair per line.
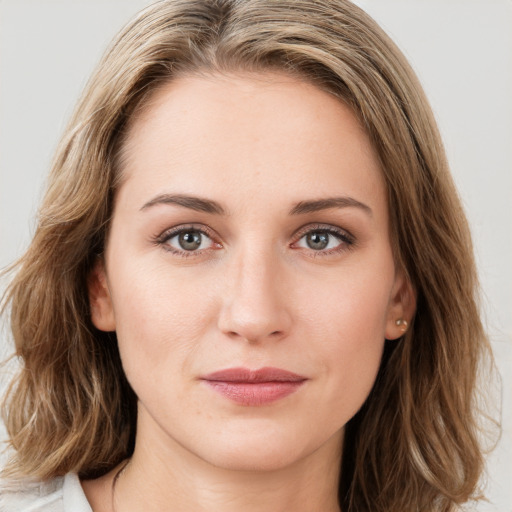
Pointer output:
461, 50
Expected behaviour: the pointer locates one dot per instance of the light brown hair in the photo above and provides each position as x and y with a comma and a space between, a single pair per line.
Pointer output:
414, 444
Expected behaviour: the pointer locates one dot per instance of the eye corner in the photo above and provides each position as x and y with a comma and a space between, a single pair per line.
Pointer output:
166, 240
345, 240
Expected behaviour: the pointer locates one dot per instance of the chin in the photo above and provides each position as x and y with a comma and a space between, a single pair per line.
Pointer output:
265, 449
263, 459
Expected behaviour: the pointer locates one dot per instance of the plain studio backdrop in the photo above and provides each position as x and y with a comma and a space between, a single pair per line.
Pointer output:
461, 50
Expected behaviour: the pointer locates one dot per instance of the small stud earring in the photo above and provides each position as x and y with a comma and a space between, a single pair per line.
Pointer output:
402, 323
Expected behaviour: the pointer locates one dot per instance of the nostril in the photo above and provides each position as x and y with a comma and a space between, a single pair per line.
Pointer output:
255, 337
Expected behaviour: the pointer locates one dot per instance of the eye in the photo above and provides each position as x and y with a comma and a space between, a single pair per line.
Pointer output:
324, 240
186, 240
319, 240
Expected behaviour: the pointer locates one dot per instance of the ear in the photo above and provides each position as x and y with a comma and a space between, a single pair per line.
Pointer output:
100, 302
401, 307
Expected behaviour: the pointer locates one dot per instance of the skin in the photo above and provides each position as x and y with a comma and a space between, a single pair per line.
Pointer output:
256, 293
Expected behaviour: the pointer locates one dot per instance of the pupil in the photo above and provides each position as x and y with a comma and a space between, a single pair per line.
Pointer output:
190, 240
317, 240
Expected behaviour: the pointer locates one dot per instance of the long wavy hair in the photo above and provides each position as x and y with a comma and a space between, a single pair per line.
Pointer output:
414, 444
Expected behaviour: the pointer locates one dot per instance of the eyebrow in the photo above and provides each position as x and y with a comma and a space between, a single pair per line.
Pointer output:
331, 202
209, 206
194, 203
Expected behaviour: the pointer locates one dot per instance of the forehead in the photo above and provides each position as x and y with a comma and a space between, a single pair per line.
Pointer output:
239, 133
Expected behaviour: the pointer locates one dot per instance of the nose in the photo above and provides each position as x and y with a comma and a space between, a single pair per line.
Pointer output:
255, 307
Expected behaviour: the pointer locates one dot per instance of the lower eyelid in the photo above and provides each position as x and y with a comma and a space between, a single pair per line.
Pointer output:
345, 240
209, 240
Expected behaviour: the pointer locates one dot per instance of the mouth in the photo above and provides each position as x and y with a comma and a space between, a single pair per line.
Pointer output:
254, 387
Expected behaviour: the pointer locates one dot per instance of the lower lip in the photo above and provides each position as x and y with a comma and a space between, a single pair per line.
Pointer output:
254, 393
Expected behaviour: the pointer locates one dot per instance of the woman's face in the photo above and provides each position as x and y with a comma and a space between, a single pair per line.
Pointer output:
248, 271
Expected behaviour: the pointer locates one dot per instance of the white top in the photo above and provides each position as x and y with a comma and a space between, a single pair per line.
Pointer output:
63, 494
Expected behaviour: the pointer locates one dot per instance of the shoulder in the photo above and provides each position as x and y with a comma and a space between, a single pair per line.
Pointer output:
62, 494
32, 496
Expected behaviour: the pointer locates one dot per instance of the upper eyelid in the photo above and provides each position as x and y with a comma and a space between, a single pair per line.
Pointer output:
330, 228
169, 233
204, 228
164, 238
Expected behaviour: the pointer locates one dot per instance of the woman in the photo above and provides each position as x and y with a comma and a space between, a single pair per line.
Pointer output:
251, 286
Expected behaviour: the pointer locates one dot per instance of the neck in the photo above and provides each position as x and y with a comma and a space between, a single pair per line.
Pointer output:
158, 476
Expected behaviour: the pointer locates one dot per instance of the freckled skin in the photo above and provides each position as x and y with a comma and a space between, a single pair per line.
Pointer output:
254, 294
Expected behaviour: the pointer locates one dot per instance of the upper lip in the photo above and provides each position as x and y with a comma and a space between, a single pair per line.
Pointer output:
245, 375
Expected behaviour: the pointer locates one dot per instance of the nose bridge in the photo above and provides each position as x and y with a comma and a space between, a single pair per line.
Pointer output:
254, 306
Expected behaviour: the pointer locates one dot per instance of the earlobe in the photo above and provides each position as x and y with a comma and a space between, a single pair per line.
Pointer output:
100, 302
402, 306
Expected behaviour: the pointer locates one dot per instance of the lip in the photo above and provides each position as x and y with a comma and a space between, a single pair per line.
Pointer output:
254, 387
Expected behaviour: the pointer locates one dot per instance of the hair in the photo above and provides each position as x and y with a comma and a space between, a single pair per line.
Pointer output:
414, 443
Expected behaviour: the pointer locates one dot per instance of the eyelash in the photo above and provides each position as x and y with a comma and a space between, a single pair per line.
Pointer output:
347, 241
166, 236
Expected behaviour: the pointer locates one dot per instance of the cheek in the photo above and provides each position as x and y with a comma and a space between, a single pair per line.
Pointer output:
350, 331
351, 306
160, 322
